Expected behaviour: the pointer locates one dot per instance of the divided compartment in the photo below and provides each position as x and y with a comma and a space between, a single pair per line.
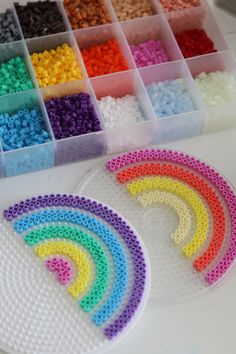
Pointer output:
221, 116
133, 135
38, 45
182, 20
61, 10
8, 5
98, 35
108, 7
154, 27
154, 4
17, 49
183, 125
31, 158
79, 147
206, 22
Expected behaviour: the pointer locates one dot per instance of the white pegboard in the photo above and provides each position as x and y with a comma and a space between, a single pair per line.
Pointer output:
37, 314
173, 277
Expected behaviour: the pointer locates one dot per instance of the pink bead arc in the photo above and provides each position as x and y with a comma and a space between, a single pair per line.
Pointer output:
149, 53
62, 267
229, 256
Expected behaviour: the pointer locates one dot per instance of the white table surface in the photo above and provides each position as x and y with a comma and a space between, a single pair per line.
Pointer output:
205, 325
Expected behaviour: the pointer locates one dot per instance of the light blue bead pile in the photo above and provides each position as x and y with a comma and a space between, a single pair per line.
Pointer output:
170, 98
24, 128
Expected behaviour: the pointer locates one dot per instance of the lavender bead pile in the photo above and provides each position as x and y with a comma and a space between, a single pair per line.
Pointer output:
72, 115
149, 53
170, 97
24, 128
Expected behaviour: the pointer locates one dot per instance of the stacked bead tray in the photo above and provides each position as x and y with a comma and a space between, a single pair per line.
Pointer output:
83, 79
74, 276
184, 211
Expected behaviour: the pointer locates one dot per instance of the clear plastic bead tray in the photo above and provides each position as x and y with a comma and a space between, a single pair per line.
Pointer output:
183, 209
107, 286
150, 131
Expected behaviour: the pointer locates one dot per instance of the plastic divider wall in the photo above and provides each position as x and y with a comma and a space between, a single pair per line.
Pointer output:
153, 130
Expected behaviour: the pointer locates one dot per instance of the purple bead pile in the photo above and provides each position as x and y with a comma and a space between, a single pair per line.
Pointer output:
72, 115
149, 53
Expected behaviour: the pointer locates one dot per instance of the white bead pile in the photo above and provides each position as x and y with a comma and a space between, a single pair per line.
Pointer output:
120, 111
216, 87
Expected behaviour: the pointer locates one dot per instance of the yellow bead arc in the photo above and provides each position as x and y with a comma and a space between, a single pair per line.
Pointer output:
186, 193
79, 257
182, 210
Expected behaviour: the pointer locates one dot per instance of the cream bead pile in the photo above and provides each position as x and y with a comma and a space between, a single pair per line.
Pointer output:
120, 111
216, 87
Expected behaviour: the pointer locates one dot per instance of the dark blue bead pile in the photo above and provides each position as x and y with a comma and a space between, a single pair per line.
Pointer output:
72, 115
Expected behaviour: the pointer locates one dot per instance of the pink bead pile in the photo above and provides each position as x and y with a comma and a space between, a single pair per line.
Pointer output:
149, 53
61, 267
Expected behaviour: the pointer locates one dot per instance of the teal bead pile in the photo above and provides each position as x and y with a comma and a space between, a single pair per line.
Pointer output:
14, 76
22, 129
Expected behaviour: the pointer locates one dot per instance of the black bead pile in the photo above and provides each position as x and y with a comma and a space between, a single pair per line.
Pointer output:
8, 28
40, 18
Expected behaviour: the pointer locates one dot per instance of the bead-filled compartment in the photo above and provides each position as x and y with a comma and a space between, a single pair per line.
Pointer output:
78, 267
70, 49
184, 211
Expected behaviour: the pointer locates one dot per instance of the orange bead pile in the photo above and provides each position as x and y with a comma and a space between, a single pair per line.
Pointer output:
173, 5
86, 13
105, 58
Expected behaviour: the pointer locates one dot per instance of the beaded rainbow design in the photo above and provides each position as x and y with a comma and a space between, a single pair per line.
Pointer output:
183, 182
109, 275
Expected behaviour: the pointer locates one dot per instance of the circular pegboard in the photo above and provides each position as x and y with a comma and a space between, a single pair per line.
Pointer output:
183, 209
74, 276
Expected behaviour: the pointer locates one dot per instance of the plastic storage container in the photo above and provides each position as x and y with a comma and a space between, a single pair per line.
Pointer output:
152, 130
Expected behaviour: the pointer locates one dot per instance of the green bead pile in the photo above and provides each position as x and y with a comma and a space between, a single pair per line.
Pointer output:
88, 242
14, 76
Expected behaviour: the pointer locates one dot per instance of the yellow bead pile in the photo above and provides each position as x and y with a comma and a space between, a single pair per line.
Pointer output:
181, 208
79, 258
56, 66
184, 192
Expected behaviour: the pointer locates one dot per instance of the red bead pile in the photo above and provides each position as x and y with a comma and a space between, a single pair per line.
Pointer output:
105, 58
195, 42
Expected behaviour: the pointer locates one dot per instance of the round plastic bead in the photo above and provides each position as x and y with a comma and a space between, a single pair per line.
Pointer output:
86, 13
23, 128
132, 9
8, 28
173, 5
120, 111
72, 115
216, 87
56, 66
149, 53
105, 58
14, 76
62, 267
40, 18
170, 97
195, 42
